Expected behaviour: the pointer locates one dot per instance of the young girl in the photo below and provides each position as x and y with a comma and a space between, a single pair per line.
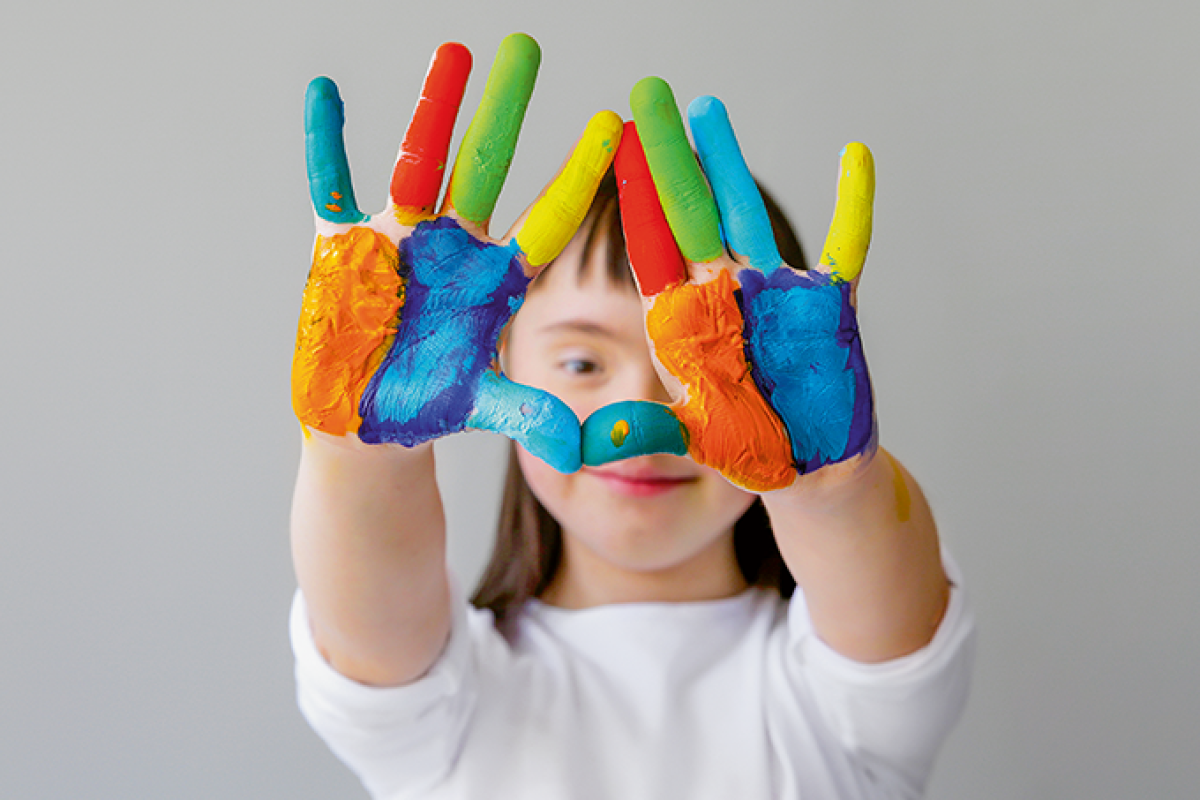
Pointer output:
633, 636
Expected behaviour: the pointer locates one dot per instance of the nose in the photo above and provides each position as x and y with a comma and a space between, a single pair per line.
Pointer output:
652, 385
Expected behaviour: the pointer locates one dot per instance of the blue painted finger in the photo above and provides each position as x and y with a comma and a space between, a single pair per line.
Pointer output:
537, 420
632, 428
743, 215
325, 151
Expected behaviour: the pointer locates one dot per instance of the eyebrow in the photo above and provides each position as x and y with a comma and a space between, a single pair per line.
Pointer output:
580, 326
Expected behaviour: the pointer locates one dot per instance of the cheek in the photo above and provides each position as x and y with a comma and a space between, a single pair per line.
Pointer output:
726, 495
548, 485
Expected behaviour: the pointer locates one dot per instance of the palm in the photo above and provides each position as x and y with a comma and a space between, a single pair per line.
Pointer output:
437, 377
764, 361
403, 310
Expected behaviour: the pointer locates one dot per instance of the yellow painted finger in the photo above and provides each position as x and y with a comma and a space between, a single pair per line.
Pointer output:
554, 218
849, 236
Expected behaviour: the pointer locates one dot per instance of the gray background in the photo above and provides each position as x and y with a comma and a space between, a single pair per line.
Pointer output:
1029, 312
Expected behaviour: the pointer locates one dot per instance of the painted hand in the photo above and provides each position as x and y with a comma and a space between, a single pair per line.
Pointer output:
403, 309
764, 361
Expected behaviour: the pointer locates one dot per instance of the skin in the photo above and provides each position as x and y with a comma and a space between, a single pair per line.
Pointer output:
368, 527
403, 308
850, 522
652, 528
379, 324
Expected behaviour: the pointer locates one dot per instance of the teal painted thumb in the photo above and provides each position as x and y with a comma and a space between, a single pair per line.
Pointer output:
534, 419
632, 428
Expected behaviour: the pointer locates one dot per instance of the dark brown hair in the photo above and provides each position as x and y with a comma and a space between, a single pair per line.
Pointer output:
528, 547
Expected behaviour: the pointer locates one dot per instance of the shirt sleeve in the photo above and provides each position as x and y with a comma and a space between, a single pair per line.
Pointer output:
402, 740
892, 717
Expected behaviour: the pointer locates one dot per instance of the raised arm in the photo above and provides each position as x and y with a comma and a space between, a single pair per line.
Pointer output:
766, 365
397, 348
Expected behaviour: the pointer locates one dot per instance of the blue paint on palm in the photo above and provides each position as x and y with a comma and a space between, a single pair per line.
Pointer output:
806, 357
459, 293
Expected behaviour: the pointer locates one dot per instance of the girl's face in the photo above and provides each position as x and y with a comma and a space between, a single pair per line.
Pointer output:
650, 528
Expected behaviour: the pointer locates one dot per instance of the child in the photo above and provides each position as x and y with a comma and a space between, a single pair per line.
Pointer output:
631, 638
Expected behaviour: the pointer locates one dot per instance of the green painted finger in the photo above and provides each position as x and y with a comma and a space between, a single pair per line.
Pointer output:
489, 143
632, 428
682, 190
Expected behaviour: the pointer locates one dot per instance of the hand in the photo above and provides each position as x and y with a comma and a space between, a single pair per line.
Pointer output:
764, 361
403, 309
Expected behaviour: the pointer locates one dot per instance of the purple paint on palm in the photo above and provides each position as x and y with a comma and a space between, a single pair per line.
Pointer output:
806, 357
459, 294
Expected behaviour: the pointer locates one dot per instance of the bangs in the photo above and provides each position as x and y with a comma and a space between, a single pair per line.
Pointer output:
603, 226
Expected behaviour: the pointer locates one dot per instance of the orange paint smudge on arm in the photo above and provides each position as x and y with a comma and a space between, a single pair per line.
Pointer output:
347, 323
697, 334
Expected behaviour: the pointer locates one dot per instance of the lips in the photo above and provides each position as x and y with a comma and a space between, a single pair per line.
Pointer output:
640, 482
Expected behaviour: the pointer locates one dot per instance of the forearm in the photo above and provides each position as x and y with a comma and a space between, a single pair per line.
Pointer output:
862, 544
368, 543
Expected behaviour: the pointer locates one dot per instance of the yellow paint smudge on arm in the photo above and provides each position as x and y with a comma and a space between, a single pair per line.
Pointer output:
697, 334
900, 485
554, 218
347, 322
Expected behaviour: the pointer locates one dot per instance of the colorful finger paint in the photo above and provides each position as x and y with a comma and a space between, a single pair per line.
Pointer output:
697, 332
488, 145
632, 428
682, 190
743, 214
554, 218
347, 320
459, 293
537, 420
325, 152
849, 236
655, 257
421, 166
806, 358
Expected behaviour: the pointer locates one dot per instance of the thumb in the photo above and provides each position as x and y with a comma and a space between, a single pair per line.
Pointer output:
534, 419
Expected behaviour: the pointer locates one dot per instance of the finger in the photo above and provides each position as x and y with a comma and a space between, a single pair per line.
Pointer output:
417, 178
682, 190
849, 236
632, 428
556, 215
653, 254
325, 151
537, 420
488, 145
743, 214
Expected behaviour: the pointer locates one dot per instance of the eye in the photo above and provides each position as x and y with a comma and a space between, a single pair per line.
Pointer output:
580, 365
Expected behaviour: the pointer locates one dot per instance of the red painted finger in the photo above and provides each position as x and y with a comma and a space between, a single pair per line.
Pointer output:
417, 178
652, 250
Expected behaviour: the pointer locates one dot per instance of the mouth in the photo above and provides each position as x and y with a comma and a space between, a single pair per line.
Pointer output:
636, 483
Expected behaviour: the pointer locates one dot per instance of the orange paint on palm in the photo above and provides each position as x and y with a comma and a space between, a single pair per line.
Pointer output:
697, 334
347, 322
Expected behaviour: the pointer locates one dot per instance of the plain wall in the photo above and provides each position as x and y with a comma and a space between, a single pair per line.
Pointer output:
1028, 311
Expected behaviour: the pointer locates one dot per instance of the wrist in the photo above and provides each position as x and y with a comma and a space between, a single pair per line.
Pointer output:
347, 451
832, 488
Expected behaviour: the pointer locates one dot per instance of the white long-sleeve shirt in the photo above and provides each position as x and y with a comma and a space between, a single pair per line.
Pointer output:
734, 698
